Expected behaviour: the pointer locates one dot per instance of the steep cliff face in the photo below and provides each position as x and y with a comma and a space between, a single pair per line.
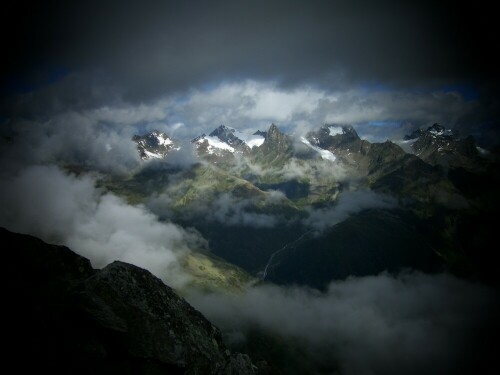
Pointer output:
66, 317
276, 149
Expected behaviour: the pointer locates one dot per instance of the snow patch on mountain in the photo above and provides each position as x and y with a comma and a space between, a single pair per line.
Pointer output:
163, 139
216, 143
250, 139
229, 139
155, 145
325, 154
152, 155
438, 132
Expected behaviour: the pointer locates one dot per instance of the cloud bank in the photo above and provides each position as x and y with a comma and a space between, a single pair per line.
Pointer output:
377, 113
64, 209
229, 210
248, 105
71, 138
398, 62
411, 324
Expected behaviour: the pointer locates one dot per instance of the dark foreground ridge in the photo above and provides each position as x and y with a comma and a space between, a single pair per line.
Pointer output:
64, 317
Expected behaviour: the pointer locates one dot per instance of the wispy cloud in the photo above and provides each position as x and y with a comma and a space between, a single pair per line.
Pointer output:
349, 203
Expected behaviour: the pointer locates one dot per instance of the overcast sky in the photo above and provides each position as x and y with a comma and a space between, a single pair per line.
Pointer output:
383, 66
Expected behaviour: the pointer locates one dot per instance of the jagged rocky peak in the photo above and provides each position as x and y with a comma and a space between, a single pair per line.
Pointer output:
336, 131
334, 137
433, 131
440, 146
276, 149
433, 135
275, 136
227, 135
224, 140
222, 131
437, 129
273, 131
155, 145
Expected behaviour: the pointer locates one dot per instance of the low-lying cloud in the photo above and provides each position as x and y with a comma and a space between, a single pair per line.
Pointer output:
224, 208
410, 324
45, 202
349, 203
230, 210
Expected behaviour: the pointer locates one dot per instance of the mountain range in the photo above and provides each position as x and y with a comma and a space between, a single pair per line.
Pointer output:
253, 194
246, 210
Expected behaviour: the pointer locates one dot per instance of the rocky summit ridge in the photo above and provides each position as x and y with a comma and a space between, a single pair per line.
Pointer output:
437, 145
155, 145
67, 318
440, 183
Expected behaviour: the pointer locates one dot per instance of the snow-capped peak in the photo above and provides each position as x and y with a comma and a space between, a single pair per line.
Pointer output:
214, 143
233, 137
155, 145
225, 138
438, 130
163, 139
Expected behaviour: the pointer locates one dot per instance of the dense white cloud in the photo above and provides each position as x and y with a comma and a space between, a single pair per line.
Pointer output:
247, 104
64, 209
272, 104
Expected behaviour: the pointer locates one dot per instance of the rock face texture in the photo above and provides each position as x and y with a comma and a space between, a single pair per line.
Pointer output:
440, 146
65, 317
155, 145
276, 149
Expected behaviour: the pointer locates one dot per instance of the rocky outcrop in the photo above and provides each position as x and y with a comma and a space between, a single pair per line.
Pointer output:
65, 317
226, 135
343, 138
439, 146
276, 149
155, 145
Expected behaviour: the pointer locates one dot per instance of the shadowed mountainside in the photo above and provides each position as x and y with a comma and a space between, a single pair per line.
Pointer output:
64, 317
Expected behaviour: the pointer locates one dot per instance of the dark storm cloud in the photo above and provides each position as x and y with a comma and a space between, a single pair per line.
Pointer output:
154, 47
